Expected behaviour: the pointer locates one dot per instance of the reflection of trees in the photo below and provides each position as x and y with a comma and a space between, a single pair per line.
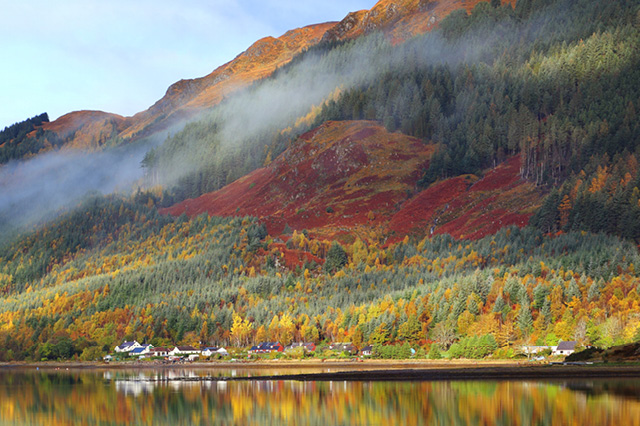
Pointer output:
44, 398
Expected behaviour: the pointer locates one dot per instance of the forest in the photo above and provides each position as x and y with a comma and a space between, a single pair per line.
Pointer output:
553, 81
117, 270
26, 138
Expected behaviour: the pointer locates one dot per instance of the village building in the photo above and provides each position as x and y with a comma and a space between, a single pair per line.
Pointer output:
141, 351
127, 346
266, 347
184, 350
346, 347
159, 352
367, 351
565, 348
307, 346
214, 351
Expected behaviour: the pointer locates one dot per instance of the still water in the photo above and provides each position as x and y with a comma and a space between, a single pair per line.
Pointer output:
120, 397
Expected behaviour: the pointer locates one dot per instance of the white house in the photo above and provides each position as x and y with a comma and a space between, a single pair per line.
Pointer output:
564, 348
214, 351
141, 351
128, 346
184, 350
159, 351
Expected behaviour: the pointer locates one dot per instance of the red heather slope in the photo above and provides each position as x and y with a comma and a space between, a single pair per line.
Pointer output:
328, 181
470, 207
354, 177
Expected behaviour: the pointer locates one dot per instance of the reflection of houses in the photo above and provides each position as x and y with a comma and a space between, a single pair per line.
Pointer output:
128, 346
343, 347
159, 352
134, 387
141, 351
308, 347
214, 351
184, 350
367, 351
266, 347
565, 348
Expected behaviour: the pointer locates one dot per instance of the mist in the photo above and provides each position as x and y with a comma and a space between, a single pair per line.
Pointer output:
38, 189
34, 190
251, 114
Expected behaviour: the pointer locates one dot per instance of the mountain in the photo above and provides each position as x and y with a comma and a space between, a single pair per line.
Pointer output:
463, 191
184, 99
187, 97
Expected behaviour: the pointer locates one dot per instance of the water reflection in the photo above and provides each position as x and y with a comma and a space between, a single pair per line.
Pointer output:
148, 398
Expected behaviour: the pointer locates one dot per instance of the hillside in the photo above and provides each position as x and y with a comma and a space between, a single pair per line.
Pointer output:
463, 192
354, 177
186, 98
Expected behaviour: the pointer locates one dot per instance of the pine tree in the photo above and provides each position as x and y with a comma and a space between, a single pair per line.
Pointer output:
336, 258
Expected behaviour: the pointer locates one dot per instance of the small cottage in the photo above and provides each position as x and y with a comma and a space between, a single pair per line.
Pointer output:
184, 350
159, 352
141, 351
214, 351
308, 347
565, 348
266, 348
127, 347
367, 351
346, 347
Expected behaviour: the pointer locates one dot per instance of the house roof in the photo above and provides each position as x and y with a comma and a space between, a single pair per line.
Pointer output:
305, 345
127, 344
368, 348
186, 348
566, 346
138, 350
212, 349
266, 346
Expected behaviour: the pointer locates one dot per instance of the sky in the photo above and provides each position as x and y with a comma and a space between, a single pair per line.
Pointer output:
120, 56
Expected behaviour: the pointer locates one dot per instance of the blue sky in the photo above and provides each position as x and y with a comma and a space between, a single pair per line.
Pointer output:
120, 56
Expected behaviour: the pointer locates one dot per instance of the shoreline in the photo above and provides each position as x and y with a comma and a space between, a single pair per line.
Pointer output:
369, 370
377, 364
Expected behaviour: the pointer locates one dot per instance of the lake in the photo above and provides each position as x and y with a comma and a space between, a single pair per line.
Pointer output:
122, 397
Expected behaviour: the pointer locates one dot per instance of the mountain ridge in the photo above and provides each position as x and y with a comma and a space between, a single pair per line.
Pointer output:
400, 20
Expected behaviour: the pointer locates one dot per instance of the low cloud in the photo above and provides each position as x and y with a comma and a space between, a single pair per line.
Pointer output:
35, 190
